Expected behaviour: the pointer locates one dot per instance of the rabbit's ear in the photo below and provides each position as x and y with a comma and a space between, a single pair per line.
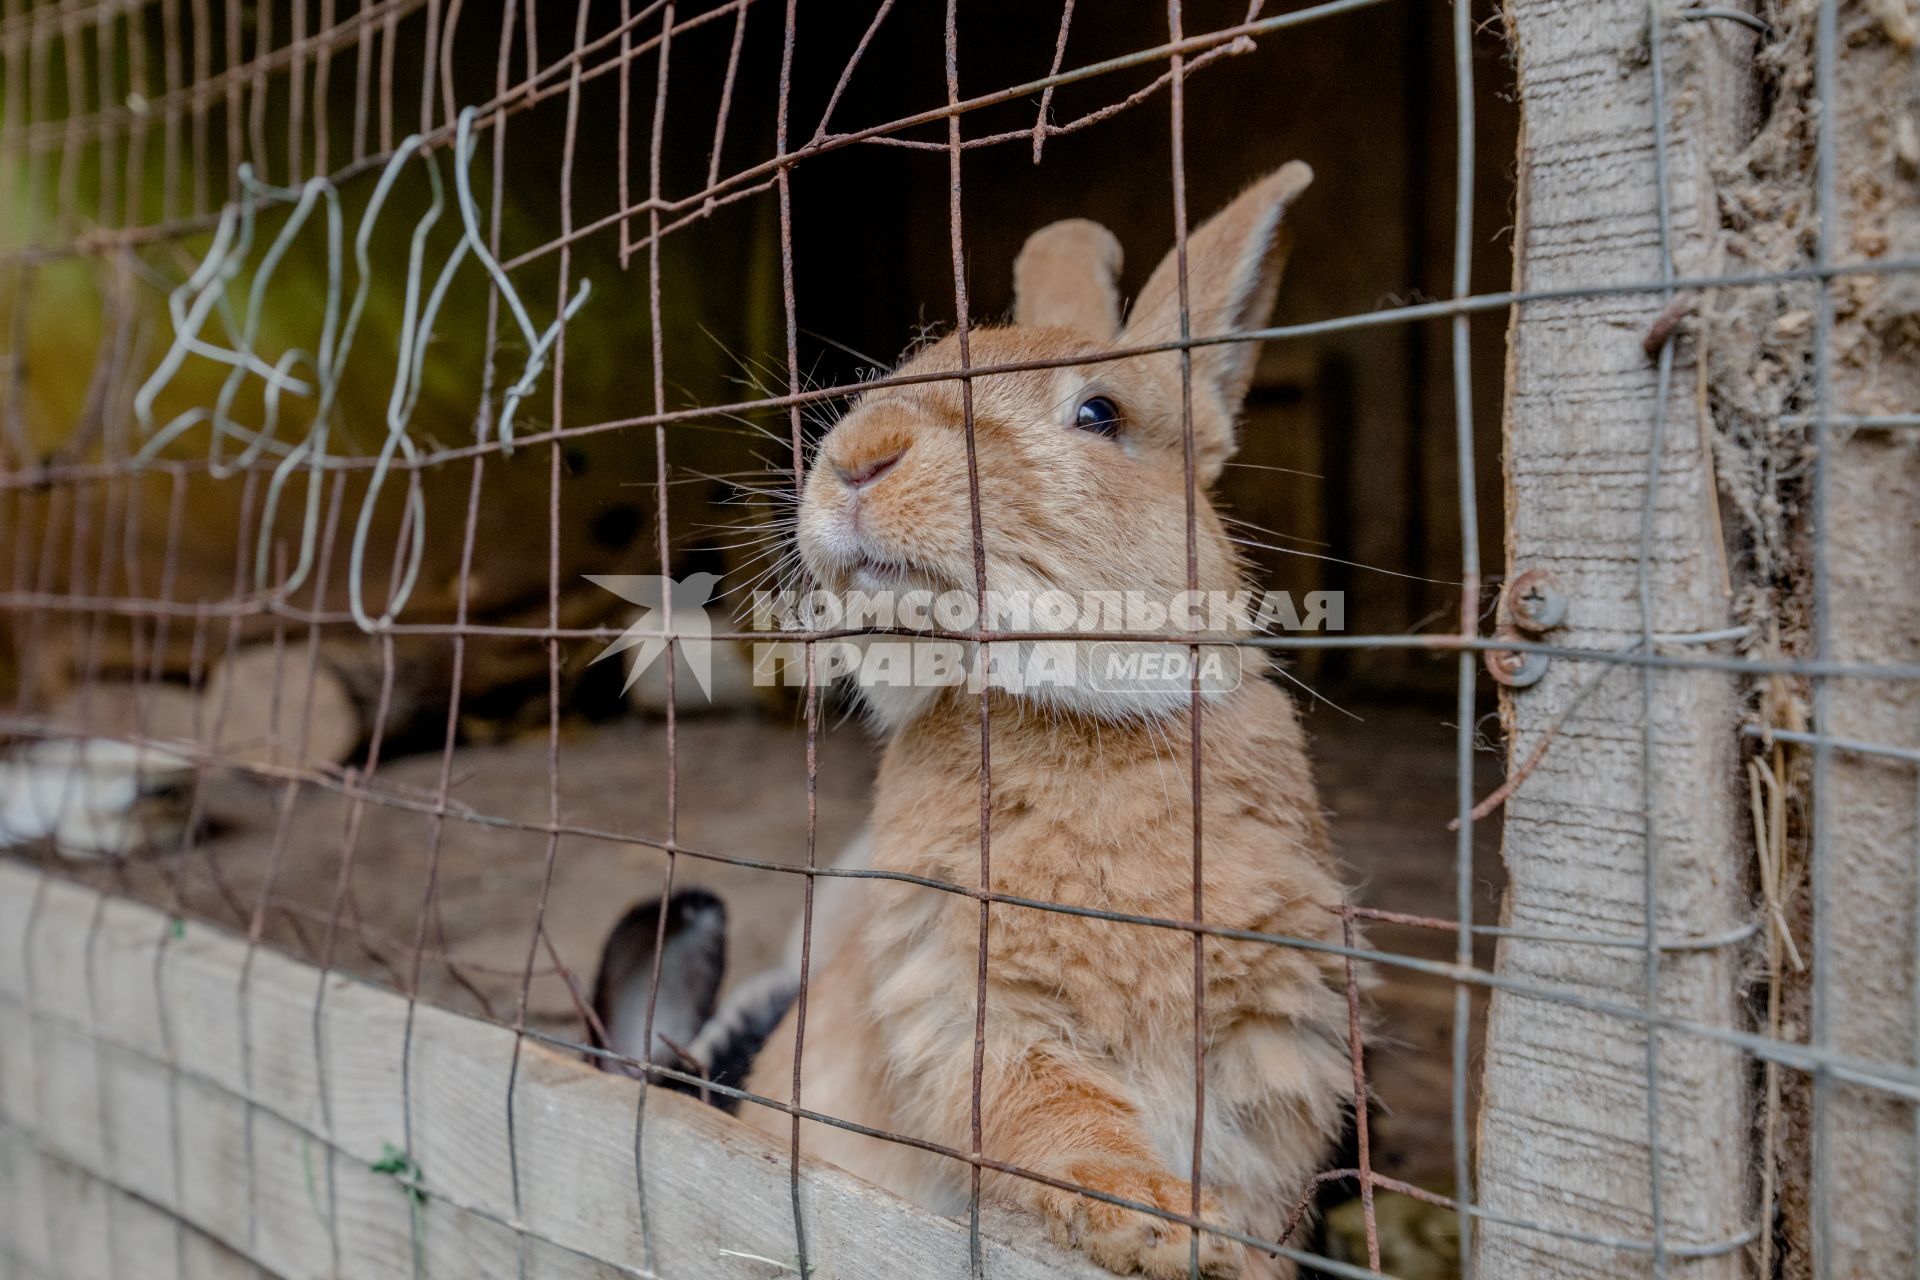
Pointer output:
1233, 272
692, 964
1066, 276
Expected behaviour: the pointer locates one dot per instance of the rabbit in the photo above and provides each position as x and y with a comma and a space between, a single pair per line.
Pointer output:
1088, 1073
95, 797
694, 1032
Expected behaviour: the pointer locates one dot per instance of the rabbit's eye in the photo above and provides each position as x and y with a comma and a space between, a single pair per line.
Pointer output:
1098, 415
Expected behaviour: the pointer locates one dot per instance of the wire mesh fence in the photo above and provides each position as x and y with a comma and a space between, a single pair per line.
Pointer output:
354, 158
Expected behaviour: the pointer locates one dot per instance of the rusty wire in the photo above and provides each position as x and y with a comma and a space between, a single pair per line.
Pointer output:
67, 488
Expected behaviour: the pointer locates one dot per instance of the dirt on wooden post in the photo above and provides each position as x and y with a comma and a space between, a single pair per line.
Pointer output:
1867, 1182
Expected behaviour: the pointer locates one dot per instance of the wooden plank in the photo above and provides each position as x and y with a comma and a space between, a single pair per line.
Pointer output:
1563, 1131
107, 1231
192, 1067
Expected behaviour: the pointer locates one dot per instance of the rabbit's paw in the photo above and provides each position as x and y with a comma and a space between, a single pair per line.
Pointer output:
1126, 1240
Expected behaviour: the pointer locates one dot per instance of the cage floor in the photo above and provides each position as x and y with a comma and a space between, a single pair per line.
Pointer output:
1387, 777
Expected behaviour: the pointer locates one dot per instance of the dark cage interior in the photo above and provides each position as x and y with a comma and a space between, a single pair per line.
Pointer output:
1345, 482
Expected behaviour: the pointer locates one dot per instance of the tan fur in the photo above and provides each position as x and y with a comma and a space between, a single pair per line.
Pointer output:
1066, 278
1089, 1029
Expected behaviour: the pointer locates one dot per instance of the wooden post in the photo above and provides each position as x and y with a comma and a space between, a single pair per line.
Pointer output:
1564, 1131
163, 1115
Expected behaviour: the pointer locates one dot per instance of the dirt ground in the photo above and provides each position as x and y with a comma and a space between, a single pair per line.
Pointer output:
1387, 777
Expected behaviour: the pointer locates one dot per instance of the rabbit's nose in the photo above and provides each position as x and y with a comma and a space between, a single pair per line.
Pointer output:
858, 475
